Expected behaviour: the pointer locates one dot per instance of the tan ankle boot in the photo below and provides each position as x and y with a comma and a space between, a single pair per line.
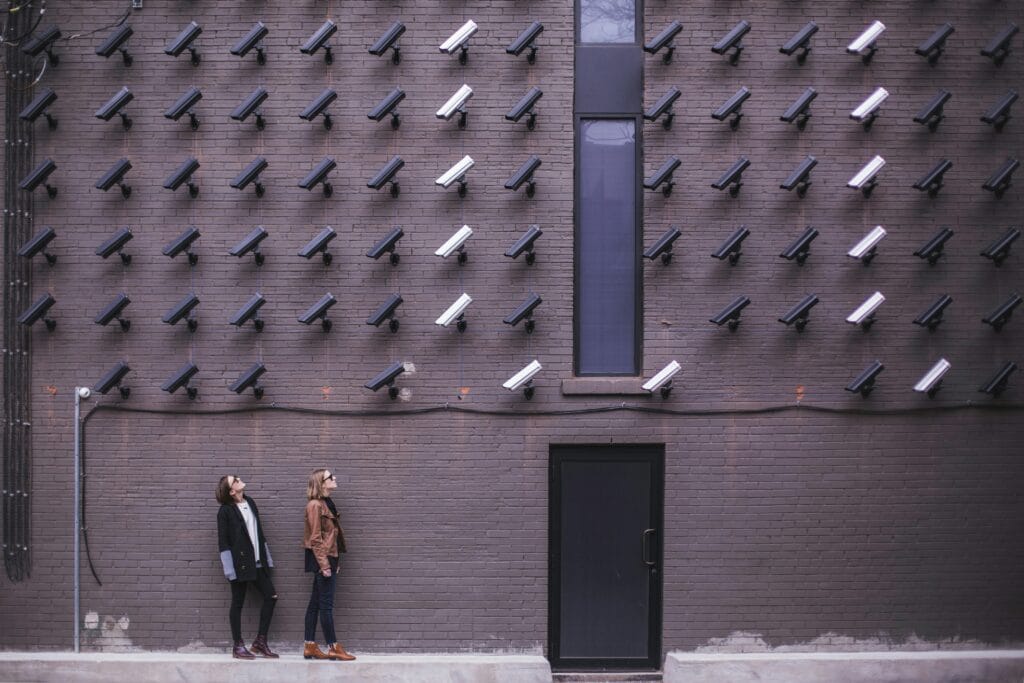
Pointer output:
337, 652
313, 651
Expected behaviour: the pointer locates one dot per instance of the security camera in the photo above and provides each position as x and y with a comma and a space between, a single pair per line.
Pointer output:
932, 380
456, 312
180, 380
864, 315
799, 111
114, 106
800, 248
731, 248
997, 384
931, 182
999, 47
387, 175
730, 315
1001, 315
864, 383
663, 107
183, 175
115, 41
799, 314
318, 245
319, 175
731, 41
181, 311
525, 244
184, 42
387, 246
114, 378
800, 178
183, 243
864, 44
867, 111
319, 40
252, 40
999, 113
525, 40
250, 379
524, 312
386, 378
999, 182
250, 311
733, 177
115, 245
664, 41
525, 106
663, 246
865, 179
184, 105
456, 173
113, 310
388, 106
801, 40
251, 242
865, 250
39, 176
456, 243
251, 174
732, 108
524, 379
662, 380
38, 106
932, 316
933, 249
38, 311
38, 244
318, 311
524, 175
459, 40
932, 115
1000, 249
319, 106
43, 42
933, 47
456, 104
250, 106
389, 41
115, 176
386, 311
663, 176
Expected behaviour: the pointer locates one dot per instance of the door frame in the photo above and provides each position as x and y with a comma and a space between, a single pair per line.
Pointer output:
605, 452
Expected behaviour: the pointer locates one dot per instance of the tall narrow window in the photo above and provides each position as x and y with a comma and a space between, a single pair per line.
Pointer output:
607, 21
607, 262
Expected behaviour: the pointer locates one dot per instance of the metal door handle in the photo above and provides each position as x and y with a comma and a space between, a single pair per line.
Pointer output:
646, 551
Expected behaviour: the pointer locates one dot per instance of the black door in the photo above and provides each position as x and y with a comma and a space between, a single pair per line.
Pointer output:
604, 601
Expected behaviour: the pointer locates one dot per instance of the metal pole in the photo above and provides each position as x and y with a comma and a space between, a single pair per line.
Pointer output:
79, 391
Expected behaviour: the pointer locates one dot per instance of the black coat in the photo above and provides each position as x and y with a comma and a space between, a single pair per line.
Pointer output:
236, 553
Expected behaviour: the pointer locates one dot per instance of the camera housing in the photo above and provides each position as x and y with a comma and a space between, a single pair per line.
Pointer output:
997, 384
250, 379
931, 182
663, 176
867, 248
115, 245
319, 40
456, 313
662, 380
866, 179
730, 315
183, 243
732, 108
180, 380
864, 315
319, 175
732, 247
525, 244
524, 379
39, 176
252, 40
456, 173
999, 113
456, 104
114, 42
115, 176
386, 311
663, 246
865, 44
43, 42
663, 107
1000, 181
184, 41
867, 111
458, 41
319, 106
799, 111
251, 106
931, 114
387, 245
456, 243
1001, 315
864, 383
389, 105
114, 378
183, 176
38, 106
932, 48
524, 312
38, 243
114, 106
386, 378
526, 39
251, 243
184, 105
181, 311
800, 178
800, 248
934, 248
733, 177
999, 47
318, 245
731, 41
251, 174
318, 311
524, 175
801, 40
1000, 249
664, 41
389, 41
526, 105
113, 310
38, 311
249, 311
931, 382
387, 175
932, 316
799, 315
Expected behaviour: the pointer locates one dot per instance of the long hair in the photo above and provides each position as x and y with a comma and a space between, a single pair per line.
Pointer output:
315, 488
224, 490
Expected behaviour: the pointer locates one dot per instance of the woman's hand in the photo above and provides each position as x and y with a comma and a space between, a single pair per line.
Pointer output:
326, 572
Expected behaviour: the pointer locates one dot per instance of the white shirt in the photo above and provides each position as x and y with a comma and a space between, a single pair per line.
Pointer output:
250, 526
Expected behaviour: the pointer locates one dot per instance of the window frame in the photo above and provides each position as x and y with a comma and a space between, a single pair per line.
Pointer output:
638, 27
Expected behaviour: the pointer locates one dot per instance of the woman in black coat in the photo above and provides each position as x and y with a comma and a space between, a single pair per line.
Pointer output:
246, 560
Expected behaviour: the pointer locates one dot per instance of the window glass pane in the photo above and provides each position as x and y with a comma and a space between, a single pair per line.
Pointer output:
608, 262
607, 21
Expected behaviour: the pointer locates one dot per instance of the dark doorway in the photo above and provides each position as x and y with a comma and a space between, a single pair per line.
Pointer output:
605, 530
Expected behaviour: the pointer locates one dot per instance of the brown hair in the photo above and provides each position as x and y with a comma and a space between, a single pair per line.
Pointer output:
224, 490
315, 488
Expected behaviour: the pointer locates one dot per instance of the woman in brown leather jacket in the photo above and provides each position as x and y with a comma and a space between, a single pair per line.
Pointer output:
324, 541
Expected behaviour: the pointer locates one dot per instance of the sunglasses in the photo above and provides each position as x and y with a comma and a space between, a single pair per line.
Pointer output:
329, 477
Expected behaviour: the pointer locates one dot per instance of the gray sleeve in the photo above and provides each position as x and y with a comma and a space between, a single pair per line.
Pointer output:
270, 560
229, 565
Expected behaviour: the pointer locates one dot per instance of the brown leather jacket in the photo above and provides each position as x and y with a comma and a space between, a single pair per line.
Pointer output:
323, 533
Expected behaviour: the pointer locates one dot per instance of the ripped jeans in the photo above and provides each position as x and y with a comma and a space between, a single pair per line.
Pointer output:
266, 587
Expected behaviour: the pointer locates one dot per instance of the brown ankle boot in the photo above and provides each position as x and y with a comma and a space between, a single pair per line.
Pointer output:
261, 648
239, 651
313, 651
337, 652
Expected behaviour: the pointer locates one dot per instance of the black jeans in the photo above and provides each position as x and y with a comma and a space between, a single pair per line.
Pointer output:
321, 601
266, 588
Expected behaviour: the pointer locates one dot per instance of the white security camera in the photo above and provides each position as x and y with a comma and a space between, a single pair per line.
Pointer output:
455, 243
867, 111
455, 312
84, 392
456, 173
663, 380
864, 315
455, 104
523, 379
864, 44
864, 180
865, 249
932, 380
458, 40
